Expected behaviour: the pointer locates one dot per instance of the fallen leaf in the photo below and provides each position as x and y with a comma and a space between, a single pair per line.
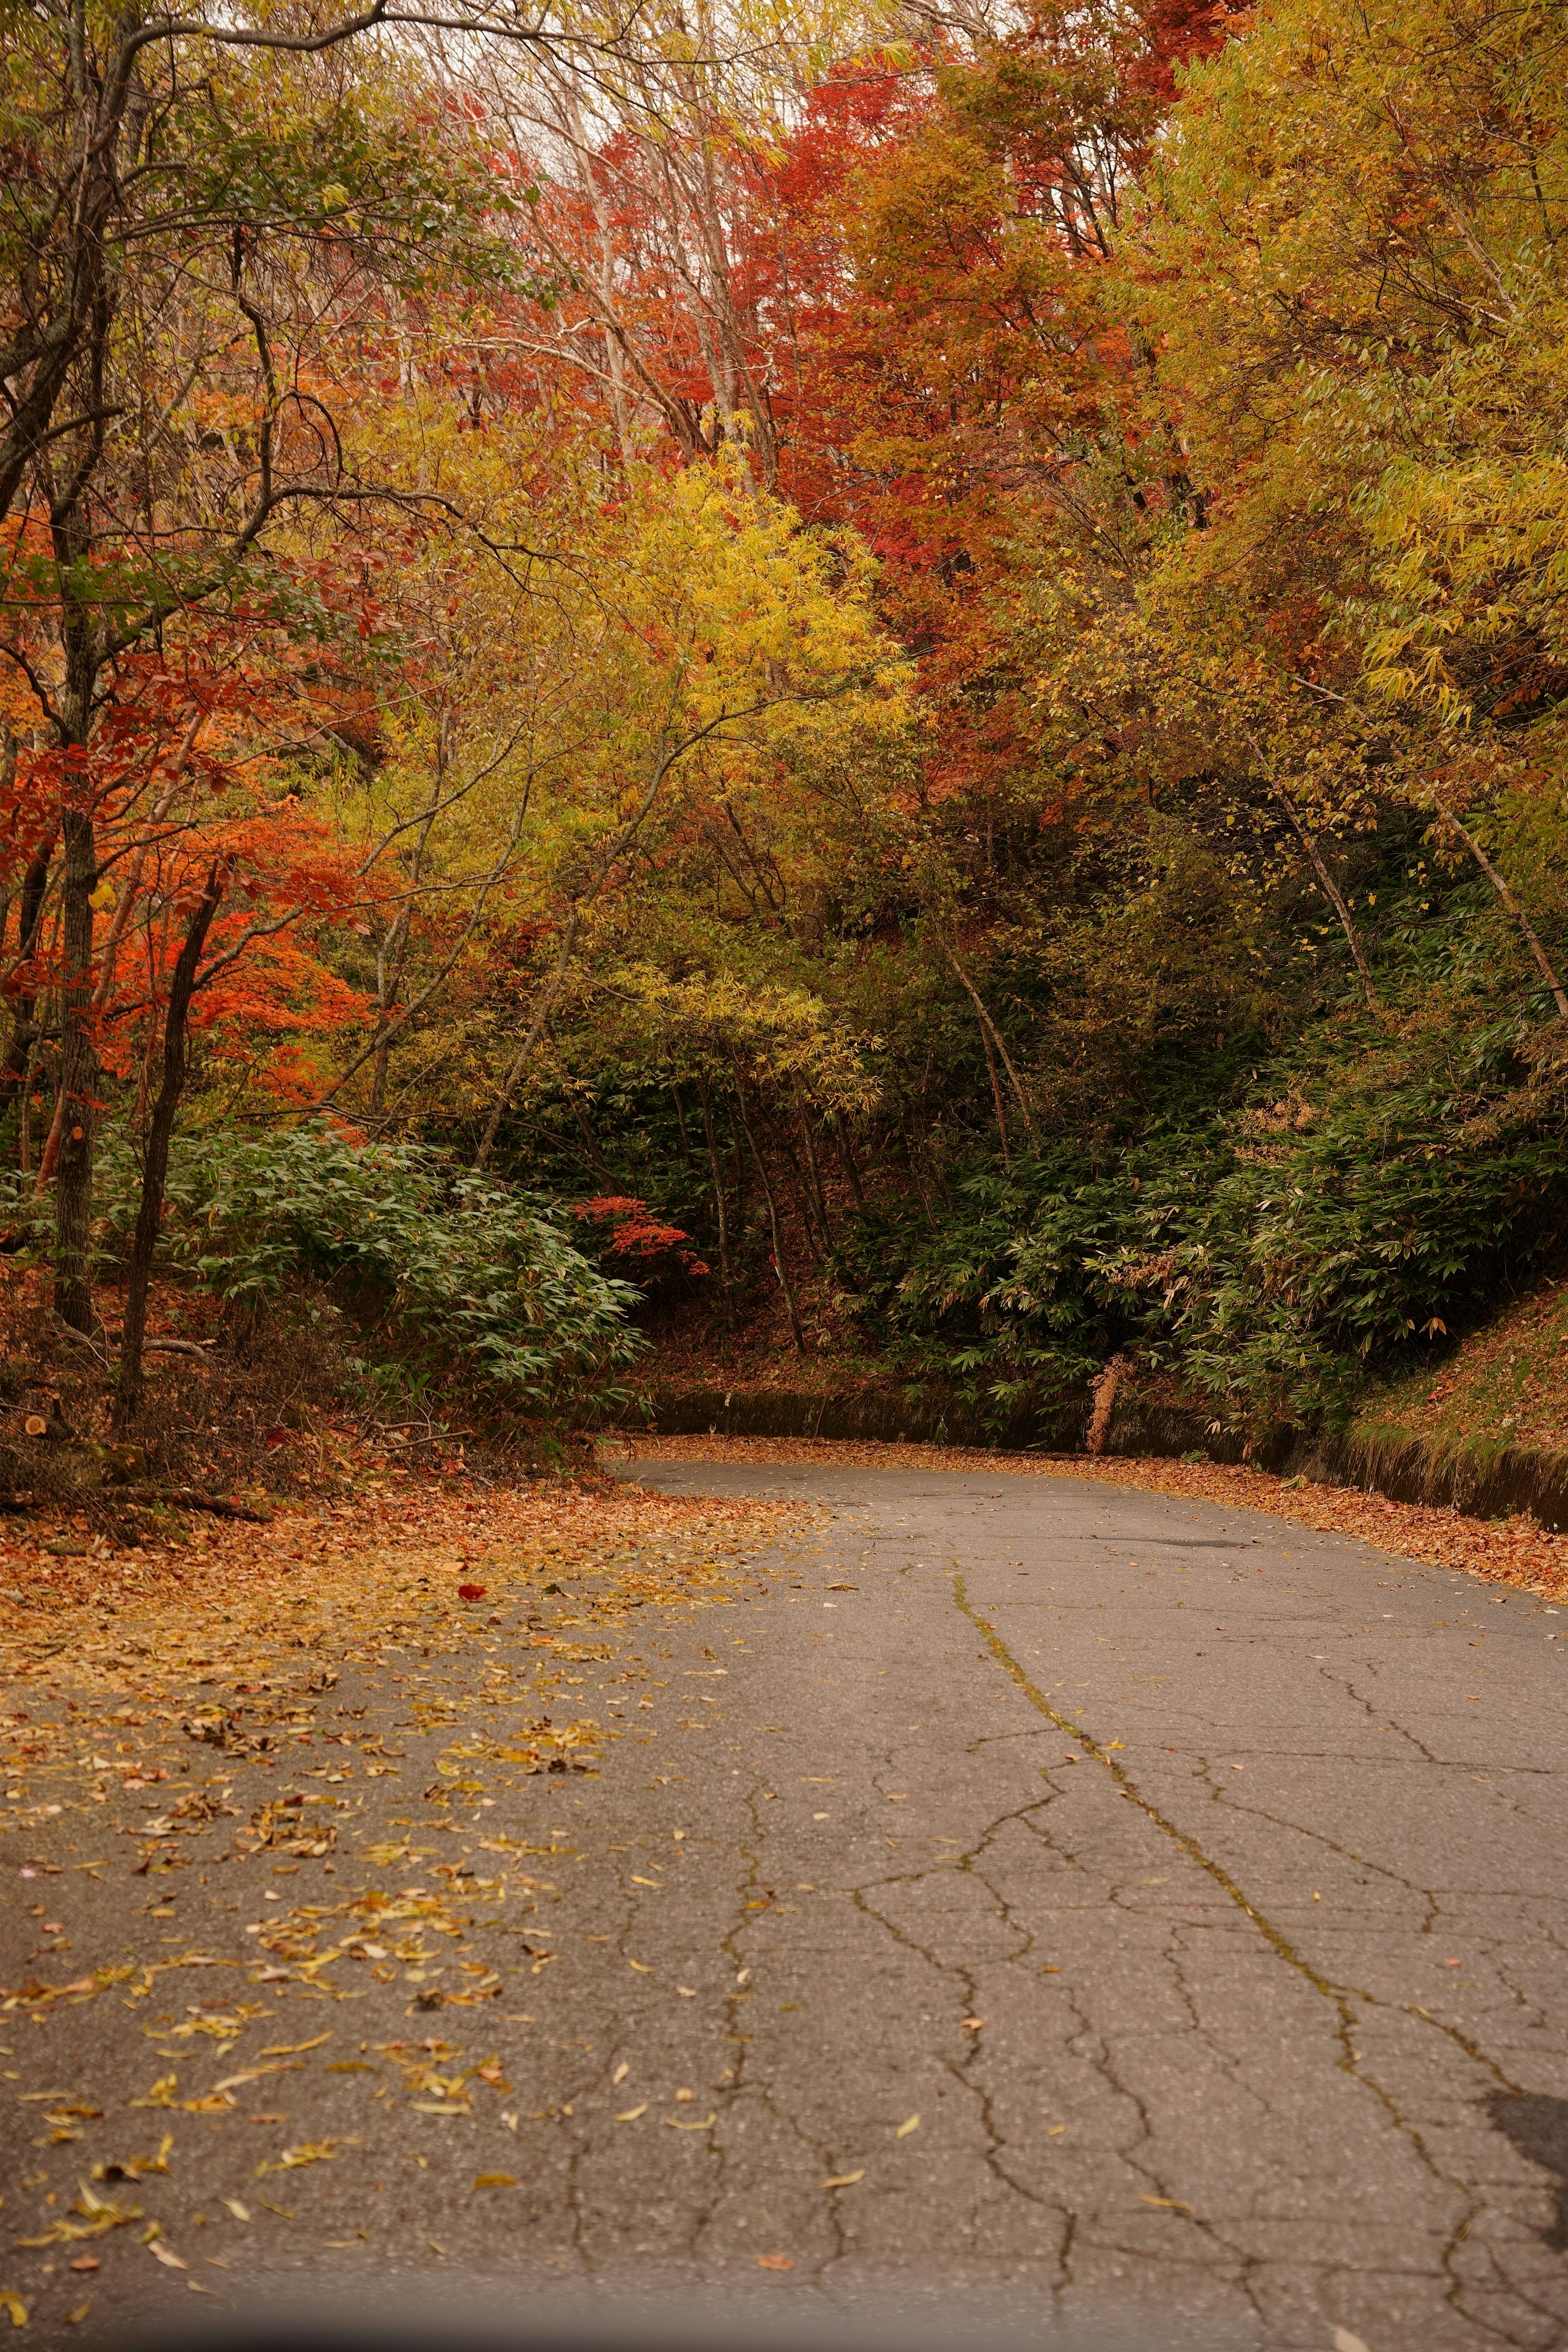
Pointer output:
293, 2049
632, 2114
972, 2024
84, 2263
641, 1970
511, 2123
677, 2123
16, 2308
74, 2318
622, 2071
494, 2180
686, 1992
307, 2151
1174, 2203
241, 2212
166, 2255
843, 2180
909, 2124
1345, 2342
776, 2262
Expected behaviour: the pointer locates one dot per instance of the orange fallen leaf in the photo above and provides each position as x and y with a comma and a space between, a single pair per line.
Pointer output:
776, 2262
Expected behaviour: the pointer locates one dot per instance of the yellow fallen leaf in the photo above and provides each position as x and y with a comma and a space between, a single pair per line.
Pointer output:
166, 2255
293, 2049
632, 2114
641, 1970
622, 2071
972, 2024
494, 2180
15, 2309
1345, 2342
440, 2108
909, 2124
1055, 2130
307, 2151
510, 2122
843, 2180
677, 2123
241, 2212
161, 2093
74, 2318
656, 1883
1174, 2203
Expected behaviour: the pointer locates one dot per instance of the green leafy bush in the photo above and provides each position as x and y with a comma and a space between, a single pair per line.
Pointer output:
1359, 1209
460, 1269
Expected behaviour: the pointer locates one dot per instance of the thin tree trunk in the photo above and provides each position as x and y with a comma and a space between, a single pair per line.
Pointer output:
77, 1112
155, 1173
35, 892
989, 1028
680, 1123
535, 1032
717, 1187
817, 1193
799, 1335
847, 1157
807, 1220
1327, 883
1542, 962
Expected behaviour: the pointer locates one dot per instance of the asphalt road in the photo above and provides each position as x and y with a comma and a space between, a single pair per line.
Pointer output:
1032, 1903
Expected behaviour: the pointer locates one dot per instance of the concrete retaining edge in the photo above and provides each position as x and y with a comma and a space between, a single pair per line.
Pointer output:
1484, 1481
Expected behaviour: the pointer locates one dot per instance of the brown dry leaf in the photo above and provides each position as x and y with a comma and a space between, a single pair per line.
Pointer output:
494, 2180
1174, 2203
776, 2262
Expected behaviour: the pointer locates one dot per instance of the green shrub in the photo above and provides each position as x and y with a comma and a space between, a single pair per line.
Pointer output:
460, 1269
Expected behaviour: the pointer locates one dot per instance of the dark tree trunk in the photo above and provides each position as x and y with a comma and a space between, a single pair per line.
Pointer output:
717, 1187
794, 1325
156, 1173
78, 1081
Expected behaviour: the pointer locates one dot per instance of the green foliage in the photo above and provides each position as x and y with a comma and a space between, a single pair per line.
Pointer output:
456, 1268
1364, 1206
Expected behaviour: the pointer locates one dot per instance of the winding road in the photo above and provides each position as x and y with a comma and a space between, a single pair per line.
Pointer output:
1079, 1908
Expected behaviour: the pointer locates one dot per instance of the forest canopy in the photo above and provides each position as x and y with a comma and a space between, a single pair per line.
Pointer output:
895, 673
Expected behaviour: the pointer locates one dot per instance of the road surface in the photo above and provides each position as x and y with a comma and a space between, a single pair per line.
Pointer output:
1074, 1907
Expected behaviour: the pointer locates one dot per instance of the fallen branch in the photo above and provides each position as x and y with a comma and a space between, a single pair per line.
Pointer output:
222, 1506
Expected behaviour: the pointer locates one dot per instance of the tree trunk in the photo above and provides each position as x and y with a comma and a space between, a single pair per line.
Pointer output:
798, 1335
819, 1196
1330, 889
1537, 953
807, 1220
717, 1187
847, 1157
990, 1032
78, 1106
155, 1173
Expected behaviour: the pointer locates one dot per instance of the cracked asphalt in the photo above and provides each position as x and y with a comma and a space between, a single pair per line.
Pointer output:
1061, 1905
